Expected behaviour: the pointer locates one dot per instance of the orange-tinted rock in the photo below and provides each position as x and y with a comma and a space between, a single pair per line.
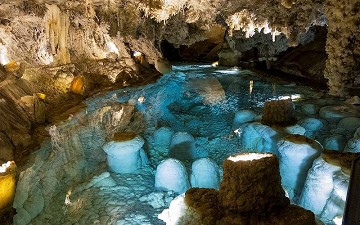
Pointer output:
78, 85
12, 66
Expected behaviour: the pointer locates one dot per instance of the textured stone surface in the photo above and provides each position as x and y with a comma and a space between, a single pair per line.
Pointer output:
278, 112
252, 186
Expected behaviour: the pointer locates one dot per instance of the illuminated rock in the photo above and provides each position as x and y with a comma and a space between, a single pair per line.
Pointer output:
124, 153
171, 175
7, 184
243, 116
259, 197
205, 174
353, 145
296, 153
311, 125
334, 142
210, 89
162, 139
12, 66
279, 112
295, 129
78, 85
323, 181
163, 66
252, 184
337, 112
258, 137
310, 109
183, 147
335, 205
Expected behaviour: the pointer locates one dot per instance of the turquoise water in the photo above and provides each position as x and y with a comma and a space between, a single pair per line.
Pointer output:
198, 99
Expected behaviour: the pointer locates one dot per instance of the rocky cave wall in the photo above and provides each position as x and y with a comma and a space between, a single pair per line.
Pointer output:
55, 53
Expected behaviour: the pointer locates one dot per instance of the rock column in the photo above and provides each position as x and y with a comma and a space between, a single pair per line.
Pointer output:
342, 45
252, 184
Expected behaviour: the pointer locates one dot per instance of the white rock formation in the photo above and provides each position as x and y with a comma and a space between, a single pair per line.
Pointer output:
318, 186
311, 125
258, 137
124, 156
297, 154
243, 116
336, 203
353, 145
334, 142
205, 174
183, 147
171, 175
162, 139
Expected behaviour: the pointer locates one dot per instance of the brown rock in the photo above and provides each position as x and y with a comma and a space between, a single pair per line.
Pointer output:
6, 148
343, 160
252, 184
279, 112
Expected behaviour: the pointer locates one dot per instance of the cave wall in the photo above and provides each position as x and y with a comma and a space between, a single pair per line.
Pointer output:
343, 46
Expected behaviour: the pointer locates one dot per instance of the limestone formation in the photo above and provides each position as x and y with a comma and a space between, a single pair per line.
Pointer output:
278, 112
125, 153
251, 185
245, 197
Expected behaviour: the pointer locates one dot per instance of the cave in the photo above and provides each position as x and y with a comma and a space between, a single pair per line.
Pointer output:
180, 112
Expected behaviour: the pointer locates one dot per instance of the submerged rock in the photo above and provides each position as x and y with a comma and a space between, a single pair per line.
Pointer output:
171, 175
334, 142
183, 147
205, 174
243, 116
297, 154
338, 112
124, 153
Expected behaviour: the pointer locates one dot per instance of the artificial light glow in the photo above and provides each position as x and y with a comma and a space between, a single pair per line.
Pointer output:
141, 99
41, 95
292, 97
137, 54
12, 66
5, 166
251, 86
248, 157
3, 55
44, 56
67, 198
338, 220
247, 22
215, 64
111, 47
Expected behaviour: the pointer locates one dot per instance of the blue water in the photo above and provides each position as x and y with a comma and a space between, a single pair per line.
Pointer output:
198, 99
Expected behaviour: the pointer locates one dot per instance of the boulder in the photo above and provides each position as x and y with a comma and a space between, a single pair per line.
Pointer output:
349, 124
125, 153
183, 147
334, 142
310, 109
243, 116
297, 154
205, 174
337, 112
171, 175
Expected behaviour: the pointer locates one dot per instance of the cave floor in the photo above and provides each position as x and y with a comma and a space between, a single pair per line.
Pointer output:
198, 99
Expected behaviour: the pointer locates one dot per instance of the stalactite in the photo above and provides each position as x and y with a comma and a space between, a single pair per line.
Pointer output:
57, 29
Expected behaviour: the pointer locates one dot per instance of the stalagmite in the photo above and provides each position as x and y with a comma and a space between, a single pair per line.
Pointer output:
57, 29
